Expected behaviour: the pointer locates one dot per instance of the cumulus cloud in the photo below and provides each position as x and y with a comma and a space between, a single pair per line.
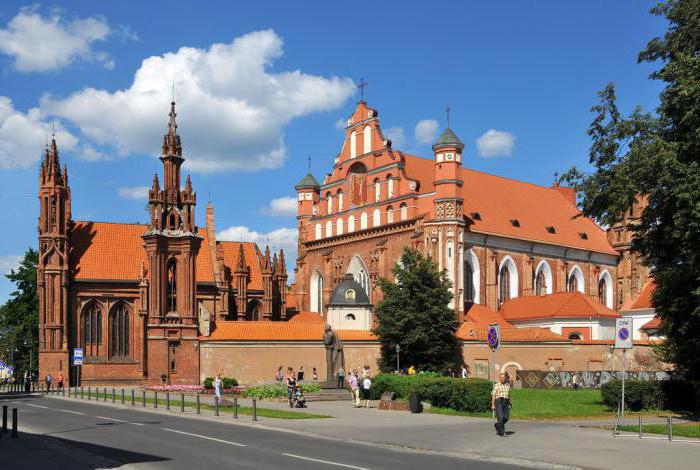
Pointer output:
284, 238
23, 136
397, 136
495, 143
341, 124
42, 44
426, 131
281, 207
133, 192
9, 262
232, 108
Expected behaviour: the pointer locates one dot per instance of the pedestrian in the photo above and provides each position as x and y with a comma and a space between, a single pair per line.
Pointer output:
48, 381
59, 381
354, 388
341, 377
574, 381
365, 372
218, 383
291, 387
300, 374
314, 376
366, 387
500, 403
465, 373
412, 370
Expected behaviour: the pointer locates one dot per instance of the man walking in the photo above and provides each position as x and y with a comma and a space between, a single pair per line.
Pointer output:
500, 403
48, 381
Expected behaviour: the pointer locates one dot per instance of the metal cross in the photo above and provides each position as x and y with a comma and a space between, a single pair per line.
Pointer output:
362, 86
309, 160
447, 112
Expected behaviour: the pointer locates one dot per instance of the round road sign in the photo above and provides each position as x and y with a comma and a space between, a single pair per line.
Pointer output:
624, 333
493, 337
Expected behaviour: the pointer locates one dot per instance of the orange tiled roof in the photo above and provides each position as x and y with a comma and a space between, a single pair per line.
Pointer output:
559, 305
644, 299
484, 316
356, 335
114, 251
306, 317
470, 331
653, 324
266, 331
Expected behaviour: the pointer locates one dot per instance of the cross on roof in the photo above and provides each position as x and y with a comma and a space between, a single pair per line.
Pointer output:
309, 159
361, 87
447, 112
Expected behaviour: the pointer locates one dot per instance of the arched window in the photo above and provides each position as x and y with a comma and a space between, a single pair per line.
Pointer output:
353, 144
316, 292
339, 227
253, 311
605, 289
349, 295
350, 317
377, 190
92, 327
363, 220
472, 277
575, 281
507, 280
572, 285
351, 224
329, 229
319, 231
376, 218
340, 200
404, 211
543, 279
389, 215
390, 187
575, 336
359, 272
367, 140
329, 198
171, 287
119, 332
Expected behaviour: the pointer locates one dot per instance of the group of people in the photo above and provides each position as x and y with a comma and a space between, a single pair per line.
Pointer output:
360, 386
48, 380
294, 381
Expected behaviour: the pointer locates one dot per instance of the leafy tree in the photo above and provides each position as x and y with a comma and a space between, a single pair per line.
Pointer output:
19, 317
414, 313
657, 155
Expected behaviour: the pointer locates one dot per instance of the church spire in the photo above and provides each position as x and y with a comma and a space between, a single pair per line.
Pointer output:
171, 140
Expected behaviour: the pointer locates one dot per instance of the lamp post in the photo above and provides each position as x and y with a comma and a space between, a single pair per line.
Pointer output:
398, 350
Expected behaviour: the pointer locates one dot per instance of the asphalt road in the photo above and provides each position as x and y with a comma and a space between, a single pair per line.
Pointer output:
82, 435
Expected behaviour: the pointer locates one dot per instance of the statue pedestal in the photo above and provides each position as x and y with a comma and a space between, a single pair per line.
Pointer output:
331, 384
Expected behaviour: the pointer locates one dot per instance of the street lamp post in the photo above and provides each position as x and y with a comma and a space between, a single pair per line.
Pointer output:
398, 350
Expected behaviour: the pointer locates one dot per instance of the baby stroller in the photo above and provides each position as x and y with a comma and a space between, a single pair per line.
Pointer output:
299, 400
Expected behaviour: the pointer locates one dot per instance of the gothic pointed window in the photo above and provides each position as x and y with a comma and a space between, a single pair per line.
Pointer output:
468, 282
91, 336
377, 190
573, 284
119, 332
602, 292
504, 285
540, 284
171, 287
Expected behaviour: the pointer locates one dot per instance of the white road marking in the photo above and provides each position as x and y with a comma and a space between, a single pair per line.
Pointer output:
38, 406
111, 419
327, 462
70, 411
205, 437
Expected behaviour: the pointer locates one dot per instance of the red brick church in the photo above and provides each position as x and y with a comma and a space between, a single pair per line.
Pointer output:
136, 297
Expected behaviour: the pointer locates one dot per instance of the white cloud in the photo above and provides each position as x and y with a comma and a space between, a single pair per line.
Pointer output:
134, 192
426, 131
397, 136
341, 124
23, 136
281, 207
284, 238
9, 262
232, 108
495, 143
42, 44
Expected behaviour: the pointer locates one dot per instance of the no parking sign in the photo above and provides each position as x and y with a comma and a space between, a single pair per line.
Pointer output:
494, 336
623, 333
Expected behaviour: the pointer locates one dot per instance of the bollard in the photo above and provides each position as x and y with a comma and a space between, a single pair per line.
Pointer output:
132, 397
255, 409
68, 392
670, 429
182, 403
122, 396
155, 402
216, 406
105, 397
640, 426
81, 393
167, 401
13, 435
63, 391
4, 420
198, 410
143, 398
114, 396
235, 408
89, 393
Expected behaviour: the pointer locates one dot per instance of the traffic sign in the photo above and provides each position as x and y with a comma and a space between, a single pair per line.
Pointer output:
77, 356
494, 336
623, 333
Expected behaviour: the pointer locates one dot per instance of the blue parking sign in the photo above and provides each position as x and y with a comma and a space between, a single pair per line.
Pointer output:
77, 356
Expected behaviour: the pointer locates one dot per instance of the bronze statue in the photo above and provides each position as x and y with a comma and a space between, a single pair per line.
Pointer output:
334, 354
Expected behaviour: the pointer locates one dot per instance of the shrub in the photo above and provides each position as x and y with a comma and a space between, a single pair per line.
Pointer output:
650, 395
209, 383
472, 395
227, 382
272, 391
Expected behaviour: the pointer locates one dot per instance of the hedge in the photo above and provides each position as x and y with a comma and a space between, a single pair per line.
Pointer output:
472, 395
228, 382
270, 391
651, 395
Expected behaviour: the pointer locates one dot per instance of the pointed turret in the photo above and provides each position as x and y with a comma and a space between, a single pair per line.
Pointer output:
188, 185
267, 266
241, 266
282, 263
171, 141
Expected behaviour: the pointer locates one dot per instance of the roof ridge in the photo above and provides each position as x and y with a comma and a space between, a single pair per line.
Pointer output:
109, 222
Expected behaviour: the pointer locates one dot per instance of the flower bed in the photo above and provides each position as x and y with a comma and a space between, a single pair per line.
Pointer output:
177, 388
232, 391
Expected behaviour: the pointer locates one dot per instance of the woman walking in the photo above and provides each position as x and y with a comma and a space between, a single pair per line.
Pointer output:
291, 387
354, 388
300, 375
217, 386
314, 376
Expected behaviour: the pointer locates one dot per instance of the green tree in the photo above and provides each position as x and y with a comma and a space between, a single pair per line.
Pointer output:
19, 317
414, 313
657, 155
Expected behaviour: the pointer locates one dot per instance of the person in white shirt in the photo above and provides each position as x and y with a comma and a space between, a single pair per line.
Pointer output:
366, 386
464, 372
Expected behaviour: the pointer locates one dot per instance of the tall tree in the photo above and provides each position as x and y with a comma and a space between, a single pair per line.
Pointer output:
19, 317
658, 156
414, 314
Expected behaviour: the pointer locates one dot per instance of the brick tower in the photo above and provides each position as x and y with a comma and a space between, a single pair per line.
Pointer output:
53, 271
172, 244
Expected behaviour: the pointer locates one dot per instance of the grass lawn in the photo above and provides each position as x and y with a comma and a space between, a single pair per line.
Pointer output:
680, 429
531, 403
175, 406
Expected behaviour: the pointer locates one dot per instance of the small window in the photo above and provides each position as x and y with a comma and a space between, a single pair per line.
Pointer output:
476, 216
350, 317
583, 235
575, 336
515, 222
551, 229
350, 295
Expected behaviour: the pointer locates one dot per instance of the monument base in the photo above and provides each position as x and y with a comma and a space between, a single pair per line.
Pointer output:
331, 384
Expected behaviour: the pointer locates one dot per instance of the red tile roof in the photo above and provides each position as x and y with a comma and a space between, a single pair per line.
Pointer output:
253, 259
280, 331
306, 317
470, 331
653, 324
644, 299
559, 305
484, 316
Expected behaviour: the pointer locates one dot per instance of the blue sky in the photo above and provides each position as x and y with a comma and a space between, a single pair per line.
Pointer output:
262, 85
